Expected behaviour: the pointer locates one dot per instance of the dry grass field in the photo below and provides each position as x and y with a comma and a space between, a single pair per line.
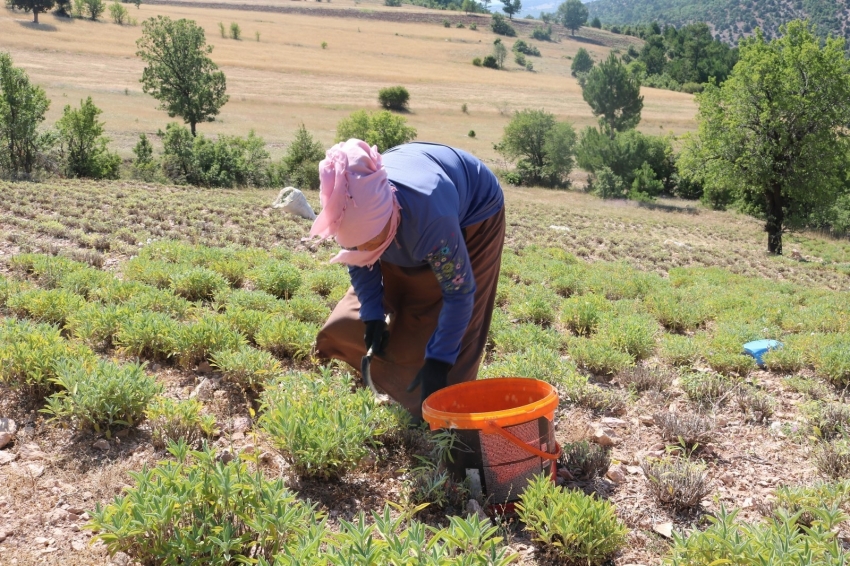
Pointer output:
287, 78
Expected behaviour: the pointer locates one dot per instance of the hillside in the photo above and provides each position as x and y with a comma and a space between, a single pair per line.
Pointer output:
730, 19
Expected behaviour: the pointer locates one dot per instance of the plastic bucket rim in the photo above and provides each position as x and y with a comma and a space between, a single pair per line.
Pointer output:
541, 407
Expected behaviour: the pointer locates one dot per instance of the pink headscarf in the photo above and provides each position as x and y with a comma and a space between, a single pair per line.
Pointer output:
357, 201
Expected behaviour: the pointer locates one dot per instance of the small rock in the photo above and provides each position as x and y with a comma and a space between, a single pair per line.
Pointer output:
56, 516
5, 438
8, 425
101, 444
6, 457
616, 474
663, 529
647, 420
237, 436
75, 509
30, 452
29, 470
473, 507
120, 559
603, 437
633, 470
225, 456
727, 479
78, 545
241, 424
41, 541
612, 421
204, 390
205, 367
75, 528
219, 394
3, 536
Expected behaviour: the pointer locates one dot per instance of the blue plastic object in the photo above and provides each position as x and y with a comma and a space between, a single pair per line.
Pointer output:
759, 348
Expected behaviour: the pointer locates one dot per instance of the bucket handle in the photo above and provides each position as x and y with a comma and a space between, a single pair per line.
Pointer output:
495, 428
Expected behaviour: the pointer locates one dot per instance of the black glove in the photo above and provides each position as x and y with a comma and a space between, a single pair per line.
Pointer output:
376, 336
432, 377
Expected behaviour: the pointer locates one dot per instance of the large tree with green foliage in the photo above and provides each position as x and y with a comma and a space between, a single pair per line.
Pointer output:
613, 95
82, 145
511, 7
34, 6
383, 129
22, 109
773, 136
573, 14
179, 72
542, 147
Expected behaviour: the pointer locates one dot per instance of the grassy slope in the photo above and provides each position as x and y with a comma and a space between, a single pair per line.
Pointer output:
287, 78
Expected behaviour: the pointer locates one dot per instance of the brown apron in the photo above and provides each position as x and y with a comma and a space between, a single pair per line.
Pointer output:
414, 298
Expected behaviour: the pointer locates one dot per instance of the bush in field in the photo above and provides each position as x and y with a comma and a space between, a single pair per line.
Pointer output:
148, 335
300, 166
632, 334
30, 354
676, 482
225, 162
118, 13
613, 95
286, 338
598, 355
542, 147
688, 430
728, 541
198, 341
183, 507
101, 395
308, 308
22, 109
542, 33
490, 62
235, 31
578, 527
582, 63
521, 46
394, 98
707, 388
144, 166
247, 367
251, 300
94, 8
382, 129
500, 26
245, 321
197, 284
582, 314
172, 420
54, 305
278, 278
318, 424
585, 461
96, 325
833, 459
804, 502
82, 145
508, 337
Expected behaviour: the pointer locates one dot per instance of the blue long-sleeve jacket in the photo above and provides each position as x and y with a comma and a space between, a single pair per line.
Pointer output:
441, 190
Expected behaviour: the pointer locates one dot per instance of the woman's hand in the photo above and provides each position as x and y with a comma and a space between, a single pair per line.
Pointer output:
376, 336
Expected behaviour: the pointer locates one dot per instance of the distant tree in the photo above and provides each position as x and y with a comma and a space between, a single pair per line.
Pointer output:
394, 98
22, 109
500, 52
82, 145
469, 6
383, 129
613, 95
511, 7
653, 55
542, 147
179, 72
500, 26
486, 4
300, 165
582, 62
144, 166
34, 6
773, 136
94, 8
118, 13
573, 14
595, 23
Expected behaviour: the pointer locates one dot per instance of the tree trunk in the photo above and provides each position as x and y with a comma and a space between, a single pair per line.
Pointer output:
35, 16
192, 126
774, 222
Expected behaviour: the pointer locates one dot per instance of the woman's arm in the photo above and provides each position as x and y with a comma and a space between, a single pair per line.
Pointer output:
369, 287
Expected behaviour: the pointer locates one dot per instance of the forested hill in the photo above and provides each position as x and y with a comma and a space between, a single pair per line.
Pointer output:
730, 19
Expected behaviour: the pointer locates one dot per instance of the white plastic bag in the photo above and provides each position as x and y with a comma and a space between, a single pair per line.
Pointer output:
293, 201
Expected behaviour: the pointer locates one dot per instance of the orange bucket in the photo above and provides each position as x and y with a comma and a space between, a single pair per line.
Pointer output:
505, 430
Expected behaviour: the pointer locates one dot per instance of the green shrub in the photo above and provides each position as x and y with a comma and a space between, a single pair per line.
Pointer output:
317, 423
599, 356
532, 304
85, 281
209, 512
675, 310
148, 335
581, 314
197, 341
144, 165
47, 270
277, 278
156, 273
643, 378
521, 46
96, 325
327, 282
300, 166
706, 388
597, 399
119, 13
811, 388
804, 502
197, 283
490, 62
632, 334
500, 26
541, 146
102, 394
542, 34
159, 300
245, 321
250, 300
53, 305
756, 405
82, 146
582, 62
578, 527
827, 420
233, 270
833, 459
687, 430
247, 367
394, 98
477, 61
383, 129
585, 461
30, 353
676, 482
308, 308
235, 31
832, 362
537, 362
728, 541
172, 420
286, 338
508, 337
678, 350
